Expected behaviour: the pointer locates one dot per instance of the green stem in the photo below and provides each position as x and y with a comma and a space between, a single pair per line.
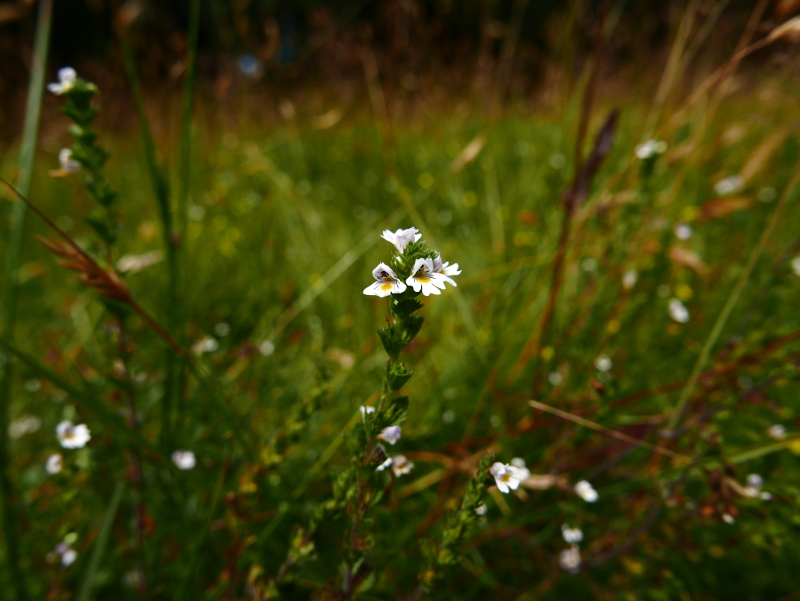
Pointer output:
101, 543
27, 156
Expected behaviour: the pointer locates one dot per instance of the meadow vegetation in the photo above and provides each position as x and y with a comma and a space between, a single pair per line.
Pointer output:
229, 457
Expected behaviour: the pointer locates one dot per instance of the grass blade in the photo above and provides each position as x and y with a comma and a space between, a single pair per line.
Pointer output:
27, 156
101, 542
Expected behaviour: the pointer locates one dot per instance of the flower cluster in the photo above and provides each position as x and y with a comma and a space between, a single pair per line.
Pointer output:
415, 267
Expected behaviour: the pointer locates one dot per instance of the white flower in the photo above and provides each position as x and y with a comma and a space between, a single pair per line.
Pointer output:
401, 237
728, 518
524, 472
384, 465
571, 535
66, 81
729, 185
570, 559
386, 282
507, 477
27, 424
777, 431
71, 436
205, 345
755, 481
63, 551
68, 164
401, 465
678, 311
136, 263
390, 434
586, 491
651, 148
424, 278
481, 509
185, 460
68, 557
446, 269
603, 363
629, 279
366, 409
555, 378
683, 231
796, 265
266, 348
753, 488
55, 463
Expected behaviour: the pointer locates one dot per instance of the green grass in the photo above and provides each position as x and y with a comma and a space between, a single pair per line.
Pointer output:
283, 230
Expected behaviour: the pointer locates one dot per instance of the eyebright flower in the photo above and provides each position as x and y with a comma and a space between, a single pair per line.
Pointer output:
683, 231
753, 488
365, 409
71, 436
777, 431
678, 311
401, 238
386, 282
387, 462
185, 460
424, 278
729, 185
586, 491
205, 345
68, 164
524, 472
401, 465
390, 434
570, 559
55, 463
481, 509
651, 148
67, 554
629, 279
445, 268
507, 477
66, 81
728, 518
603, 363
571, 535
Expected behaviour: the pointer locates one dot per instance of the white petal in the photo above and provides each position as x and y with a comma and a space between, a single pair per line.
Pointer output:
398, 287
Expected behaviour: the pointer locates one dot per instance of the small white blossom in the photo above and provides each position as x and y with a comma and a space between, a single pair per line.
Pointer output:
266, 348
386, 282
401, 465
555, 378
390, 434
524, 472
728, 518
571, 535
729, 185
446, 269
651, 148
66, 81
603, 363
185, 460
755, 481
570, 559
424, 278
777, 431
68, 164
678, 311
586, 491
136, 263
401, 238
27, 424
481, 509
384, 465
507, 477
683, 231
796, 265
205, 345
753, 488
55, 463
629, 279
73, 436
64, 552
366, 409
